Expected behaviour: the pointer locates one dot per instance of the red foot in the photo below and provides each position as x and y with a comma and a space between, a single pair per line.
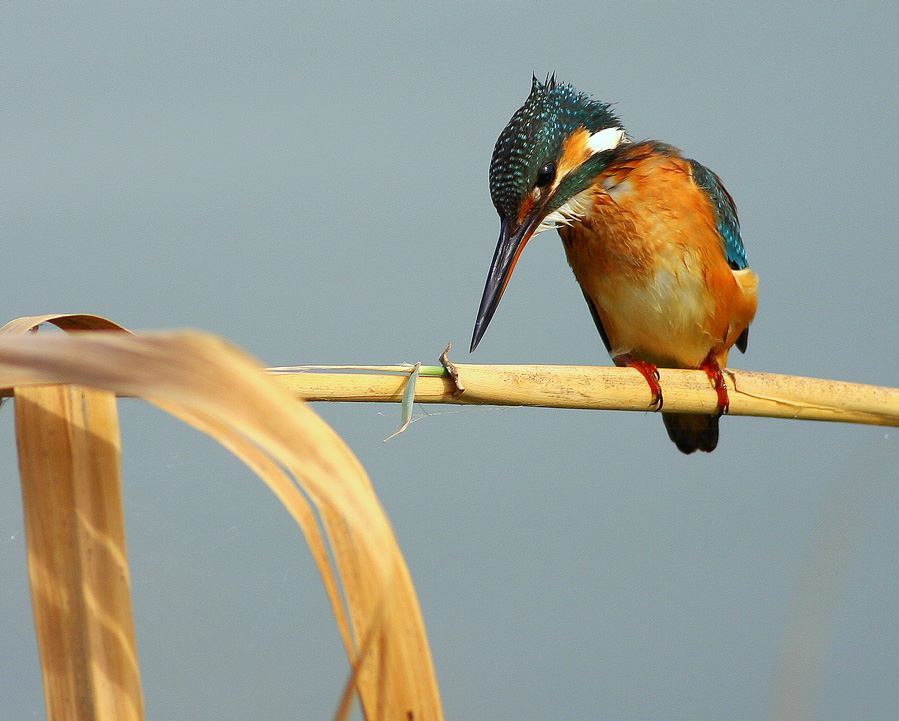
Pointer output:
711, 367
649, 372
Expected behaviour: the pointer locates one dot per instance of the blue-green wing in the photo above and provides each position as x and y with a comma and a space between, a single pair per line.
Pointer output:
726, 212
728, 225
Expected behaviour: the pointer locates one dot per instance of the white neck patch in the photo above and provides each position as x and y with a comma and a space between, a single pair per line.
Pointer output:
606, 139
575, 209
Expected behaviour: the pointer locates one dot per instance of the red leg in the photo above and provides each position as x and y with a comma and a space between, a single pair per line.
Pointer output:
711, 367
649, 372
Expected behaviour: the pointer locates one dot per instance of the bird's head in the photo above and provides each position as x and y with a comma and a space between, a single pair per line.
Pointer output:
548, 154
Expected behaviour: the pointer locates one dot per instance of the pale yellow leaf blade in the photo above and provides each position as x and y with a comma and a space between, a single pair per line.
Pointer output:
69, 458
65, 321
221, 389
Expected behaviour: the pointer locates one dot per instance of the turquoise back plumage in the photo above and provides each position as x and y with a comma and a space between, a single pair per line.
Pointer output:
726, 213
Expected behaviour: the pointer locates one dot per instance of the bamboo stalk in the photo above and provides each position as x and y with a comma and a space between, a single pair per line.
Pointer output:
609, 388
69, 457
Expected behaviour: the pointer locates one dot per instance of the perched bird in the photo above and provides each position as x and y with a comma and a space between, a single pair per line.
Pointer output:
652, 237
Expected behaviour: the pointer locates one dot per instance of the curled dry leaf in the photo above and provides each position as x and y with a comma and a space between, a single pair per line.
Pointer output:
218, 389
64, 321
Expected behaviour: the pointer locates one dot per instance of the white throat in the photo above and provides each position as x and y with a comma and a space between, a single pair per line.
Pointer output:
574, 209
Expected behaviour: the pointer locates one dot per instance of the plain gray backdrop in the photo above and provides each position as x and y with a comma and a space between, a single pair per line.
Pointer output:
309, 180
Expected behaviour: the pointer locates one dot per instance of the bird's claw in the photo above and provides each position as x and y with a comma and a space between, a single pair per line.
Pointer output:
650, 373
713, 370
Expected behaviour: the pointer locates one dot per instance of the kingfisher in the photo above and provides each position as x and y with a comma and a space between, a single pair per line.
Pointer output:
652, 237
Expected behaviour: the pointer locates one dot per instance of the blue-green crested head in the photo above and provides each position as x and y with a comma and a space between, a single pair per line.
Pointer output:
530, 148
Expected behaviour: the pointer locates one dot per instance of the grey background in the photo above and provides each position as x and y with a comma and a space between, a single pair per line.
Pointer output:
310, 182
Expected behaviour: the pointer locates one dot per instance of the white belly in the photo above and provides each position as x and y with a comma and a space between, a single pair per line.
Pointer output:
659, 318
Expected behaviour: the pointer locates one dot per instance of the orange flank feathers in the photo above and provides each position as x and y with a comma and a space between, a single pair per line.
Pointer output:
649, 258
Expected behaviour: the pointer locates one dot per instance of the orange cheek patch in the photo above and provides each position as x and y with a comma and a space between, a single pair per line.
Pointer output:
574, 152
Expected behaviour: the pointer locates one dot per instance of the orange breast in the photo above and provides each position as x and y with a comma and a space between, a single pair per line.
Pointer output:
649, 257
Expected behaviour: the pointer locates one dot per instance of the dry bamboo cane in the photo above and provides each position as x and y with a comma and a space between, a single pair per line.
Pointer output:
608, 388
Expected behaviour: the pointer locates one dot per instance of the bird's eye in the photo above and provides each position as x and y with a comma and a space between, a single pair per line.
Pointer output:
546, 175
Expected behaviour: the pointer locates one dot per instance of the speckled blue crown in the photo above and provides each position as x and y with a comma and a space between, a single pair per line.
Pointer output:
536, 132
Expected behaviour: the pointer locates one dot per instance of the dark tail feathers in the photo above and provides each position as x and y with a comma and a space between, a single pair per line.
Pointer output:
692, 432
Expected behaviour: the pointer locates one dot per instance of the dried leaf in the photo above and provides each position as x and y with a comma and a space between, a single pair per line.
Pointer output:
219, 390
69, 455
65, 321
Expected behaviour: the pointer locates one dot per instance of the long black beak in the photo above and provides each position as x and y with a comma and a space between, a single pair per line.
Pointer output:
512, 240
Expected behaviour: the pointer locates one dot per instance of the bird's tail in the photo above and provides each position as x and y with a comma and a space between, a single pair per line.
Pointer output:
692, 432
